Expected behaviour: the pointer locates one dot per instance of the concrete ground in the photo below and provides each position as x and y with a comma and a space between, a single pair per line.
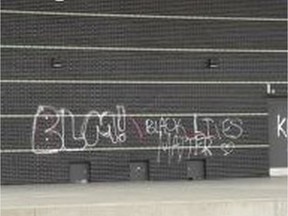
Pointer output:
233, 197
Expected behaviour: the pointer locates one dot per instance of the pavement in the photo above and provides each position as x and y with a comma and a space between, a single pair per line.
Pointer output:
225, 197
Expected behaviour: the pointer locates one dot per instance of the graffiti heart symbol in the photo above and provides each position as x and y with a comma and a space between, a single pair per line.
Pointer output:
227, 148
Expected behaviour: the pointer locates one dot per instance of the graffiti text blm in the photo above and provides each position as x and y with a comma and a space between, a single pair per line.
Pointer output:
56, 130
51, 134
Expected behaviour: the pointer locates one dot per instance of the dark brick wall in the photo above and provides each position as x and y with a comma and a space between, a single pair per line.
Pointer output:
20, 99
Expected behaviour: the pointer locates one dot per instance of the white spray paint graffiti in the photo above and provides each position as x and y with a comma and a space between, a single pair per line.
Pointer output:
54, 130
282, 126
173, 136
49, 134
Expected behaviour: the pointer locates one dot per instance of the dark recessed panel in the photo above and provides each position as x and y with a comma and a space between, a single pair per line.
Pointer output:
79, 172
196, 170
139, 171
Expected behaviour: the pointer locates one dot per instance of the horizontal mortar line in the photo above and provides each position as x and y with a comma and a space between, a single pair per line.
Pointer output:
143, 49
140, 115
125, 149
144, 82
145, 16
